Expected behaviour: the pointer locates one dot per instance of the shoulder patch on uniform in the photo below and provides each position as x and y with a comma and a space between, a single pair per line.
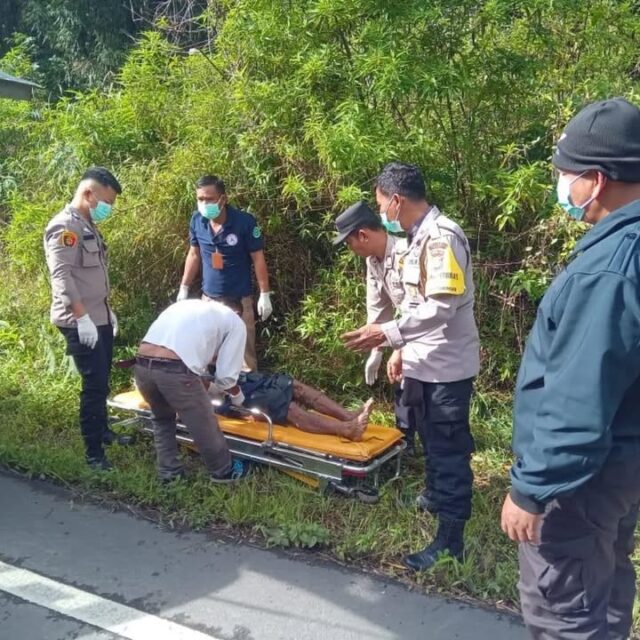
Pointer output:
68, 238
444, 274
257, 231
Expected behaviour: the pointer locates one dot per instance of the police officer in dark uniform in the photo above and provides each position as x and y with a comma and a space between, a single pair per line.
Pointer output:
436, 349
77, 259
573, 505
225, 244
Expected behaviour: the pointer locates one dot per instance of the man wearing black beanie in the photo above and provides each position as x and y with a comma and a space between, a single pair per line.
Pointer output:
575, 482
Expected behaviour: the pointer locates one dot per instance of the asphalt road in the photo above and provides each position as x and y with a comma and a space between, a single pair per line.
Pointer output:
72, 570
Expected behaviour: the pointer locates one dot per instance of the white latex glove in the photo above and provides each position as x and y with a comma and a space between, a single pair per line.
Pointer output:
183, 294
372, 366
238, 399
265, 308
87, 331
114, 322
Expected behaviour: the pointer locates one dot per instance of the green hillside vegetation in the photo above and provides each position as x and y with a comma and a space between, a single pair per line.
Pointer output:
298, 105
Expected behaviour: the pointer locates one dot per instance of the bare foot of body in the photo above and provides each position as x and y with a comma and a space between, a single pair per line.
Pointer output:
354, 415
353, 429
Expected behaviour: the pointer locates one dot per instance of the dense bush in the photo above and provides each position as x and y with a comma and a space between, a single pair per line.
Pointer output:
298, 105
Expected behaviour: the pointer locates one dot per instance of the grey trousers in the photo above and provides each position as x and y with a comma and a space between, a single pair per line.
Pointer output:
168, 393
249, 319
579, 583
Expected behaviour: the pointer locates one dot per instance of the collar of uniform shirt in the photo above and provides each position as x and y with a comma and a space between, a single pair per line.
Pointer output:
414, 229
224, 226
387, 259
76, 214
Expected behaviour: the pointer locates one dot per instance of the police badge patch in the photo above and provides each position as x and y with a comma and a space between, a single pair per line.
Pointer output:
68, 239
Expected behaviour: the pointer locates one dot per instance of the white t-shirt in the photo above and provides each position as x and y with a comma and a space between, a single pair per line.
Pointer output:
198, 331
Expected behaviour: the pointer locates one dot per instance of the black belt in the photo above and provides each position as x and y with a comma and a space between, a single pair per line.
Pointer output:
168, 364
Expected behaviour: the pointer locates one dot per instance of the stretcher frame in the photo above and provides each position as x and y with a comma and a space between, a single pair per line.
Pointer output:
328, 472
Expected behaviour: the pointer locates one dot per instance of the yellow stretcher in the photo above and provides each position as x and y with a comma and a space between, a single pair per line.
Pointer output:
328, 462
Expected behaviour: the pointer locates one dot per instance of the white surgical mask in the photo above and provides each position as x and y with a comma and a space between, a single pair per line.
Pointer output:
563, 190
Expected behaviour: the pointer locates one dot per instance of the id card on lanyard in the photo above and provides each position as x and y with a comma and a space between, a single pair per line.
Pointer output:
217, 260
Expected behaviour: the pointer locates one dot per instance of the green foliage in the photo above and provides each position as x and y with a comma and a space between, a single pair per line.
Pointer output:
75, 44
298, 105
310, 345
307, 535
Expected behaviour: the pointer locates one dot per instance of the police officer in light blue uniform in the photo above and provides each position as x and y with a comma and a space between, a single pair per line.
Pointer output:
575, 483
225, 244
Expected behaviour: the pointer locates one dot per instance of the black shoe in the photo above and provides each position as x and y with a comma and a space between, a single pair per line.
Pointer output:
110, 437
178, 475
449, 540
425, 503
239, 469
99, 464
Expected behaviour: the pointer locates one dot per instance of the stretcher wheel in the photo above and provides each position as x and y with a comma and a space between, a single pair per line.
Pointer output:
365, 495
368, 496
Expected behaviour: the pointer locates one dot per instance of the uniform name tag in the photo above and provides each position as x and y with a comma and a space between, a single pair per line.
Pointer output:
411, 274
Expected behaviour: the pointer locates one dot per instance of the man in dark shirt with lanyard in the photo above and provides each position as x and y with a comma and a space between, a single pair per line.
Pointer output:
226, 242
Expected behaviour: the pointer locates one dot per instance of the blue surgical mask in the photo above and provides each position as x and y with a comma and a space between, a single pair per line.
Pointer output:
563, 190
209, 210
101, 211
392, 226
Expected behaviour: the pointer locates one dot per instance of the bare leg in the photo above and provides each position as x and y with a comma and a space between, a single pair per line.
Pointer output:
318, 401
351, 429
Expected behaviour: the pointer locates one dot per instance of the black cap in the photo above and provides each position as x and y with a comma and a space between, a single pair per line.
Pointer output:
604, 136
358, 215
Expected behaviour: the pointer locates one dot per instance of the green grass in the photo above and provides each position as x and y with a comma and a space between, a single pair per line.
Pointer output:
39, 436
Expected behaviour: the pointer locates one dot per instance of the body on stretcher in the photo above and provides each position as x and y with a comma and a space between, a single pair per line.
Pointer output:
326, 461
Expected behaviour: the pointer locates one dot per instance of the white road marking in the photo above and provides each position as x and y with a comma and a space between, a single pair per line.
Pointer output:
92, 609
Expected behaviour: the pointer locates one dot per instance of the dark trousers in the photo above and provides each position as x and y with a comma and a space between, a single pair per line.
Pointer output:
447, 443
94, 366
171, 392
579, 583
407, 418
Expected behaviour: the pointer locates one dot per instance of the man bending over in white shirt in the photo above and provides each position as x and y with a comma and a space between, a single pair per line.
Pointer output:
171, 366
